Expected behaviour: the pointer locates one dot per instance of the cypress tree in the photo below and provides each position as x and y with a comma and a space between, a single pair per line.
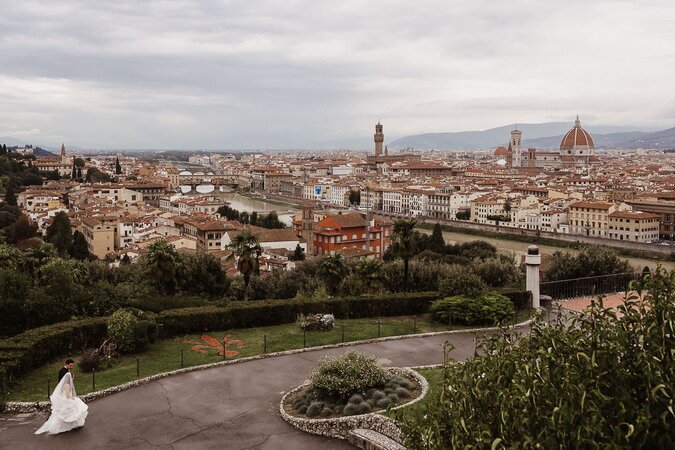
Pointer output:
59, 233
80, 249
10, 194
118, 167
437, 243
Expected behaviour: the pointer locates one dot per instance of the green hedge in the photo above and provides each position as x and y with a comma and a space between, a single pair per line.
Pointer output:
520, 299
33, 348
276, 312
22, 352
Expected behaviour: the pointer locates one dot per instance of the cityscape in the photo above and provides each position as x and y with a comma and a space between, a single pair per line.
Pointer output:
246, 241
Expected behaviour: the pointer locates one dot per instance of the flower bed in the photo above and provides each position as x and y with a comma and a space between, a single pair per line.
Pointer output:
340, 426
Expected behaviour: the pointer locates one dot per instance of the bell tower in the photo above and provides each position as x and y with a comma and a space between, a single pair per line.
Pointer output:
379, 139
515, 146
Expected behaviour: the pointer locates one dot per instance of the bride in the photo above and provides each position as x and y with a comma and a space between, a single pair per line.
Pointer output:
68, 411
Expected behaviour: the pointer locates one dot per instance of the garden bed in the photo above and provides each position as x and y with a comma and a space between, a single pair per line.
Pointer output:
401, 389
340, 426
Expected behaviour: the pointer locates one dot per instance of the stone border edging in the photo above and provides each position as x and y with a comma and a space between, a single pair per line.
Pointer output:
339, 427
27, 407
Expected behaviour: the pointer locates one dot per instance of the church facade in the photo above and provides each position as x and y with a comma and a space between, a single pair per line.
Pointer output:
576, 150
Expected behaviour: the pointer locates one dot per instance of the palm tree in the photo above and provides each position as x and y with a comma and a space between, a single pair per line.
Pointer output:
333, 269
403, 244
244, 246
369, 271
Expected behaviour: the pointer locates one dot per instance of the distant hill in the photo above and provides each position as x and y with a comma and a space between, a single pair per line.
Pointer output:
37, 151
663, 140
541, 135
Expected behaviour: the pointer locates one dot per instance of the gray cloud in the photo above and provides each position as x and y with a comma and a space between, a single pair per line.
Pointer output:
302, 73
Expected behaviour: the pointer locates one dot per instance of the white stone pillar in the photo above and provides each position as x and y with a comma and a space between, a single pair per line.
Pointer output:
533, 261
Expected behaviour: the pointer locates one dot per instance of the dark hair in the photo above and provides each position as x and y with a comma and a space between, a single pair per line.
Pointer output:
69, 361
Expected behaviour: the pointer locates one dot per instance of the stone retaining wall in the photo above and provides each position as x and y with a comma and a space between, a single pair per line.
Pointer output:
339, 427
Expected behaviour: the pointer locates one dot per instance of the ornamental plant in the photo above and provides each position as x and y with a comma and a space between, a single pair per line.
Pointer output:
316, 322
488, 309
131, 329
599, 379
347, 374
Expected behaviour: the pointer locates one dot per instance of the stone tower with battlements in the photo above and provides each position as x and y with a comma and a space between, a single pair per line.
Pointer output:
379, 139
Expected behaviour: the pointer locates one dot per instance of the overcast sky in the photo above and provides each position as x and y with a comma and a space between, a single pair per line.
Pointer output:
302, 74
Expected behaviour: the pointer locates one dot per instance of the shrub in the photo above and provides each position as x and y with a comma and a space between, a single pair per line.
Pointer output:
316, 322
592, 380
90, 360
489, 309
351, 409
463, 283
347, 374
131, 329
326, 412
314, 409
520, 299
498, 272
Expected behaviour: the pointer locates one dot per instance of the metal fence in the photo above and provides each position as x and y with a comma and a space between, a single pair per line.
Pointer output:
588, 286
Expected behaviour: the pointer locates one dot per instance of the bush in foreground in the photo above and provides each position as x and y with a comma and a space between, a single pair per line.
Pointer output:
605, 380
488, 309
347, 374
131, 329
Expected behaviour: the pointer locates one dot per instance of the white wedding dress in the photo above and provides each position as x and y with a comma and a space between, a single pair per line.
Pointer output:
68, 411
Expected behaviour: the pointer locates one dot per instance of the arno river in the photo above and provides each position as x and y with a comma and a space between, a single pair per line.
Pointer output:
241, 203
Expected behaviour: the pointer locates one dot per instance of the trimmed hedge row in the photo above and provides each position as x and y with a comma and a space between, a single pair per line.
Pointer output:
33, 348
22, 352
520, 299
19, 354
276, 312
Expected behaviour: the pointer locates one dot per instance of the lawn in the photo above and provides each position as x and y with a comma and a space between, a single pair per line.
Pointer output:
435, 379
166, 355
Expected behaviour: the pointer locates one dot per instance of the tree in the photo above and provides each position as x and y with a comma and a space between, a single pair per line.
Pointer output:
59, 233
73, 173
354, 197
94, 175
246, 249
271, 220
298, 254
332, 270
369, 270
591, 261
79, 162
118, 167
463, 215
162, 265
403, 244
10, 194
80, 248
203, 274
3, 149
436, 243
253, 219
23, 229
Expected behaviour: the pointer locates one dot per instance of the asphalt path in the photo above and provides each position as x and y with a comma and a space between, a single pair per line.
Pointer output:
233, 407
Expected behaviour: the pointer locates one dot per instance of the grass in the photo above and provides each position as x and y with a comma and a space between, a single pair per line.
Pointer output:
165, 355
435, 379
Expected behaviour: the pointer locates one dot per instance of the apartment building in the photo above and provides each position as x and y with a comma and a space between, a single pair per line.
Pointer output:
590, 218
337, 232
633, 226
100, 236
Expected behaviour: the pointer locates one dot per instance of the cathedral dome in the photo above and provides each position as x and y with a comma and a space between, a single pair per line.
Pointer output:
501, 151
576, 138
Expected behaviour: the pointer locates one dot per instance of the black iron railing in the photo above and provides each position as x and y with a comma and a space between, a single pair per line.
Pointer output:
588, 286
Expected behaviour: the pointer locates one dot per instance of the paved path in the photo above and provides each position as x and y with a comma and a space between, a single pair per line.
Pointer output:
233, 407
